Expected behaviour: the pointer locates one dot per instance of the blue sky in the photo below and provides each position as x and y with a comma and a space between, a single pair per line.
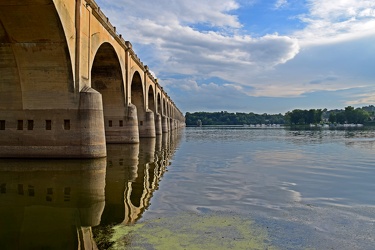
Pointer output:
254, 55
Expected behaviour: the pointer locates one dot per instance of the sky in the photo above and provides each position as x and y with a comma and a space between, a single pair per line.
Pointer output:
261, 56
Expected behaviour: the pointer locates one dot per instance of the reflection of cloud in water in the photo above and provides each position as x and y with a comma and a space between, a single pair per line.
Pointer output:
309, 189
368, 144
296, 196
236, 183
278, 157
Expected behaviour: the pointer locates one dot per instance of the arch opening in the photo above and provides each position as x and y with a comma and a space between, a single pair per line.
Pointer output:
165, 108
137, 97
35, 67
106, 78
160, 108
151, 99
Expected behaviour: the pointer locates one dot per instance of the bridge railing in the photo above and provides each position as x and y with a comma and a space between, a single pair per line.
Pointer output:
104, 20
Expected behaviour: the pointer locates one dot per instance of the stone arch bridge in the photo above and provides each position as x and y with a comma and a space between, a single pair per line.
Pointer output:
69, 83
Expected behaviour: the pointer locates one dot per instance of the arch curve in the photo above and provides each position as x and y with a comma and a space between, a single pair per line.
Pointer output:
36, 66
107, 79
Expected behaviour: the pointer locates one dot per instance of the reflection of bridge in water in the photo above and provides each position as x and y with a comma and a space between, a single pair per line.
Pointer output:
133, 181
54, 204
50, 204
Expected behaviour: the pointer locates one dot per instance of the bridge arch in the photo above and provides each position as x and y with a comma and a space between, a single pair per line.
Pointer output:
159, 106
98, 43
107, 78
164, 107
153, 105
168, 109
137, 96
146, 122
151, 99
35, 66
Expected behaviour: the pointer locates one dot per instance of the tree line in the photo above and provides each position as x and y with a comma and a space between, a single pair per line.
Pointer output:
295, 117
351, 115
226, 118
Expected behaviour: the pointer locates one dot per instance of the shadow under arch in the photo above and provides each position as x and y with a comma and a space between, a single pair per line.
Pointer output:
35, 65
160, 107
107, 79
153, 106
151, 99
146, 122
165, 123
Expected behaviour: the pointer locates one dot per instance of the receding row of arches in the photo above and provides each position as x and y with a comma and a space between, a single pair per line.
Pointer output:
53, 67
154, 112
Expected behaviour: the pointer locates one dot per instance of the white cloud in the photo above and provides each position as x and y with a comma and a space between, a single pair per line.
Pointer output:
336, 21
362, 99
204, 39
280, 4
212, 12
182, 48
209, 96
295, 89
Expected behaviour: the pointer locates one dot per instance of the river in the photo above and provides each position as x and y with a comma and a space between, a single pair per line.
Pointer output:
199, 188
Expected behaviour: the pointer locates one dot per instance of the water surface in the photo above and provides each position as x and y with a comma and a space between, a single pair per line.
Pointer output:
199, 188
307, 188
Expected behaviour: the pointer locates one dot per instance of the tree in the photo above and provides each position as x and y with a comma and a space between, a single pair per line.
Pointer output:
301, 117
332, 117
341, 118
350, 114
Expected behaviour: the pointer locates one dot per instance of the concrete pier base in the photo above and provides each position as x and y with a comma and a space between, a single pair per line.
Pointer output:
158, 124
122, 129
165, 127
147, 127
57, 133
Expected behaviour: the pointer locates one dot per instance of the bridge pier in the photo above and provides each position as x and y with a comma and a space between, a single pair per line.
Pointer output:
91, 116
171, 127
122, 129
165, 127
55, 133
158, 124
147, 126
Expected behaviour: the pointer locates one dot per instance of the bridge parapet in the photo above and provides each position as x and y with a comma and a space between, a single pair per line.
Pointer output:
104, 20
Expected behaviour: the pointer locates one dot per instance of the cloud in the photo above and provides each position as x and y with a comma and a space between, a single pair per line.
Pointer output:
169, 29
336, 21
212, 12
365, 96
187, 41
280, 4
195, 96
325, 79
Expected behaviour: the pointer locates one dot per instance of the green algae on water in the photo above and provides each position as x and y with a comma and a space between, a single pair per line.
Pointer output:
192, 231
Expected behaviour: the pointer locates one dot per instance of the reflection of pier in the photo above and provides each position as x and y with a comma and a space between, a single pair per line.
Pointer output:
53, 204
133, 174
50, 204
